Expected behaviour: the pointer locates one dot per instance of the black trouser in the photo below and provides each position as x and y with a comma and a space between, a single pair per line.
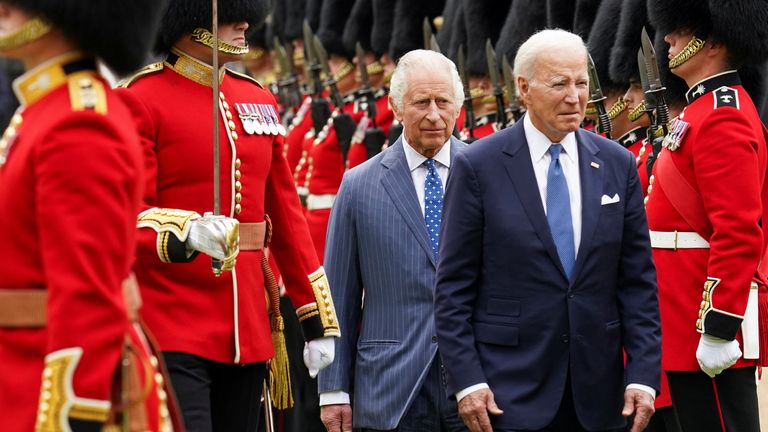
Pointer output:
664, 420
566, 419
216, 397
726, 403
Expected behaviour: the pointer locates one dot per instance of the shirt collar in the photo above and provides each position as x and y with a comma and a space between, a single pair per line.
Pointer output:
728, 78
538, 143
415, 159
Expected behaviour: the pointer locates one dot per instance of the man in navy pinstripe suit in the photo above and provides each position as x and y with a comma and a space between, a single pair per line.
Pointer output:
382, 239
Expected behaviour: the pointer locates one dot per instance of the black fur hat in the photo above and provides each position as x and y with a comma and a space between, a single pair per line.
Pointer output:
525, 18
584, 17
742, 26
383, 21
601, 40
183, 16
443, 36
119, 33
312, 12
333, 18
634, 16
484, 20
670, 15
407, 30
560, 14
295, 12
257, 36
358, 27
458, 33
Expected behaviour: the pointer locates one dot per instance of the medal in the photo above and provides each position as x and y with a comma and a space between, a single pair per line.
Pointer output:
674, 138
265, 114
255, 120
280, 127
244, 118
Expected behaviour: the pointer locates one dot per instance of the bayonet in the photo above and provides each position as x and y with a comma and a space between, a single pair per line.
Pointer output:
509, 83
330, 81
365, 92
469, 112
498, 91
310, 60
654, 83
287, 81
426, 33
433, 45
596, 98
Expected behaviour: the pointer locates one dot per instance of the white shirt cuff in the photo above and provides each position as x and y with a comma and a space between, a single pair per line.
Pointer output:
460, 394
336, 397
643, 387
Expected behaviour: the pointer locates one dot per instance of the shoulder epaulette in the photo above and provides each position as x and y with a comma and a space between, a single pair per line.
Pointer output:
726, 97
244, 76
146, 70
86, 93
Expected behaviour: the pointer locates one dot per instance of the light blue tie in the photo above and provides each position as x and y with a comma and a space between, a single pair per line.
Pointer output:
559, 211
433, 204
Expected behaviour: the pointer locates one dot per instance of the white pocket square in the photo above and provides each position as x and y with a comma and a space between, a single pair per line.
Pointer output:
605, 200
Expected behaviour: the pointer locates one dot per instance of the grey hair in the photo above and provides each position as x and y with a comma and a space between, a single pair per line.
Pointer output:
429, 60
545, 41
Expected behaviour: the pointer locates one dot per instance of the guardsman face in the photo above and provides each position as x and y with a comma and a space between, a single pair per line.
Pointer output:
233, 34
12, 18
677, 42
634, 97
429, 109
556, 96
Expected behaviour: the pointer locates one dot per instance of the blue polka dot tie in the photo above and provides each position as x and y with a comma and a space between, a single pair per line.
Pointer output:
433, 204
559, 211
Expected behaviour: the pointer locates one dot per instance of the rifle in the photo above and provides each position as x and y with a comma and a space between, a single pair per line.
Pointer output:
498, 91
596, 98
373, 137
342, 122
288, 93
514, 107
469, 111
654, 96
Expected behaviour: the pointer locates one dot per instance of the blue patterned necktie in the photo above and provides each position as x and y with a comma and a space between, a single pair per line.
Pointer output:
559, 211
433, 204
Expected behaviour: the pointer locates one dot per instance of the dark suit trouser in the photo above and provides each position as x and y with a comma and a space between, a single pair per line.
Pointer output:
663, 420
431, 410
216, 397
727, 402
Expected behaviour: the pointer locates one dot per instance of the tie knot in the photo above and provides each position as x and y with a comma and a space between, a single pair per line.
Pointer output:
554, 151
430, 163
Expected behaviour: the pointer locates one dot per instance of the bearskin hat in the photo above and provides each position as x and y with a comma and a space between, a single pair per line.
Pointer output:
183, 16
445, 32
119, 33
312, 13
525, 18
383, 21
601, 40
634, 16
584, 17
358, 27
295, 12
485, 18
560, 14
333, 19
407, 30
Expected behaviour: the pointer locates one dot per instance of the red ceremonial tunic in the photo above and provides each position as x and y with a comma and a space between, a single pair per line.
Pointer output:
722, 156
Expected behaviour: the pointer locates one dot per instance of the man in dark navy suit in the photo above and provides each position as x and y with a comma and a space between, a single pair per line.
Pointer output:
545, 275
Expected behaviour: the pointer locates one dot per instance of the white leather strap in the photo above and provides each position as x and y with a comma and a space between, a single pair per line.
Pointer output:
677, 240
320, 202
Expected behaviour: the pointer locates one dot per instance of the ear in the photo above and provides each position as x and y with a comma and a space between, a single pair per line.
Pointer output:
398, 114
523, 88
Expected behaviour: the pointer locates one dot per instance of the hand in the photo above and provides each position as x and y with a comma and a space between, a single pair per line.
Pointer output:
715, 354
318, 353
216, 236
641, 404
337, 418
474, 409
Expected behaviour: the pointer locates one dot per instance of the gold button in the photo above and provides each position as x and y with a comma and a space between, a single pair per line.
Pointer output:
238, 209
650, 188
238, 197
234, 135
159, 379
238, 174
645, 200
16, 120
698, 323
153, 361
229, 115
231, 124
651, 179
238, 186
705, 295
221, 95
237, 163
11, 131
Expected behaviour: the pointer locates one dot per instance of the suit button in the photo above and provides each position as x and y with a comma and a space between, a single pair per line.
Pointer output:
434, 339
571, 295
564, 338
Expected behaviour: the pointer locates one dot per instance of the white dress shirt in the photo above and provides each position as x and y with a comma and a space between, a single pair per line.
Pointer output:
418, 171
538, 144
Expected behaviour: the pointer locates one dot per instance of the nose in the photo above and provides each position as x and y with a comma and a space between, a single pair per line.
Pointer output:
572, 94
668, 38
433, 113
241, 26
628, 97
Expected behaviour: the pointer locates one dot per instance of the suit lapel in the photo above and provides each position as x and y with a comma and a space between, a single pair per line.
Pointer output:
398, 183
517, 162
591, 170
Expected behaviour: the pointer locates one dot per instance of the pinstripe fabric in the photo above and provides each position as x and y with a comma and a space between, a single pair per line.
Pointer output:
377, 241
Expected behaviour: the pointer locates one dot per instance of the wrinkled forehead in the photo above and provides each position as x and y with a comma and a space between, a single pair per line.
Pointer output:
561, 63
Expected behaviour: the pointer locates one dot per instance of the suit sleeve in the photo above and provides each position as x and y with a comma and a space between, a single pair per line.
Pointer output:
343, 264
461, 247
637, 291
726, 160
86, 208
305, 280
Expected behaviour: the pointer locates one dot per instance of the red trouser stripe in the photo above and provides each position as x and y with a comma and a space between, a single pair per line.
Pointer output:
717, 402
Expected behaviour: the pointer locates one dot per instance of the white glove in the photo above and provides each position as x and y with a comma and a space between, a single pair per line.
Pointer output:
216, 236
715, 354
318, 354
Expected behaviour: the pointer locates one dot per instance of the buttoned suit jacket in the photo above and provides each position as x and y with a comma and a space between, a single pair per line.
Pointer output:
378, 243
506, 313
